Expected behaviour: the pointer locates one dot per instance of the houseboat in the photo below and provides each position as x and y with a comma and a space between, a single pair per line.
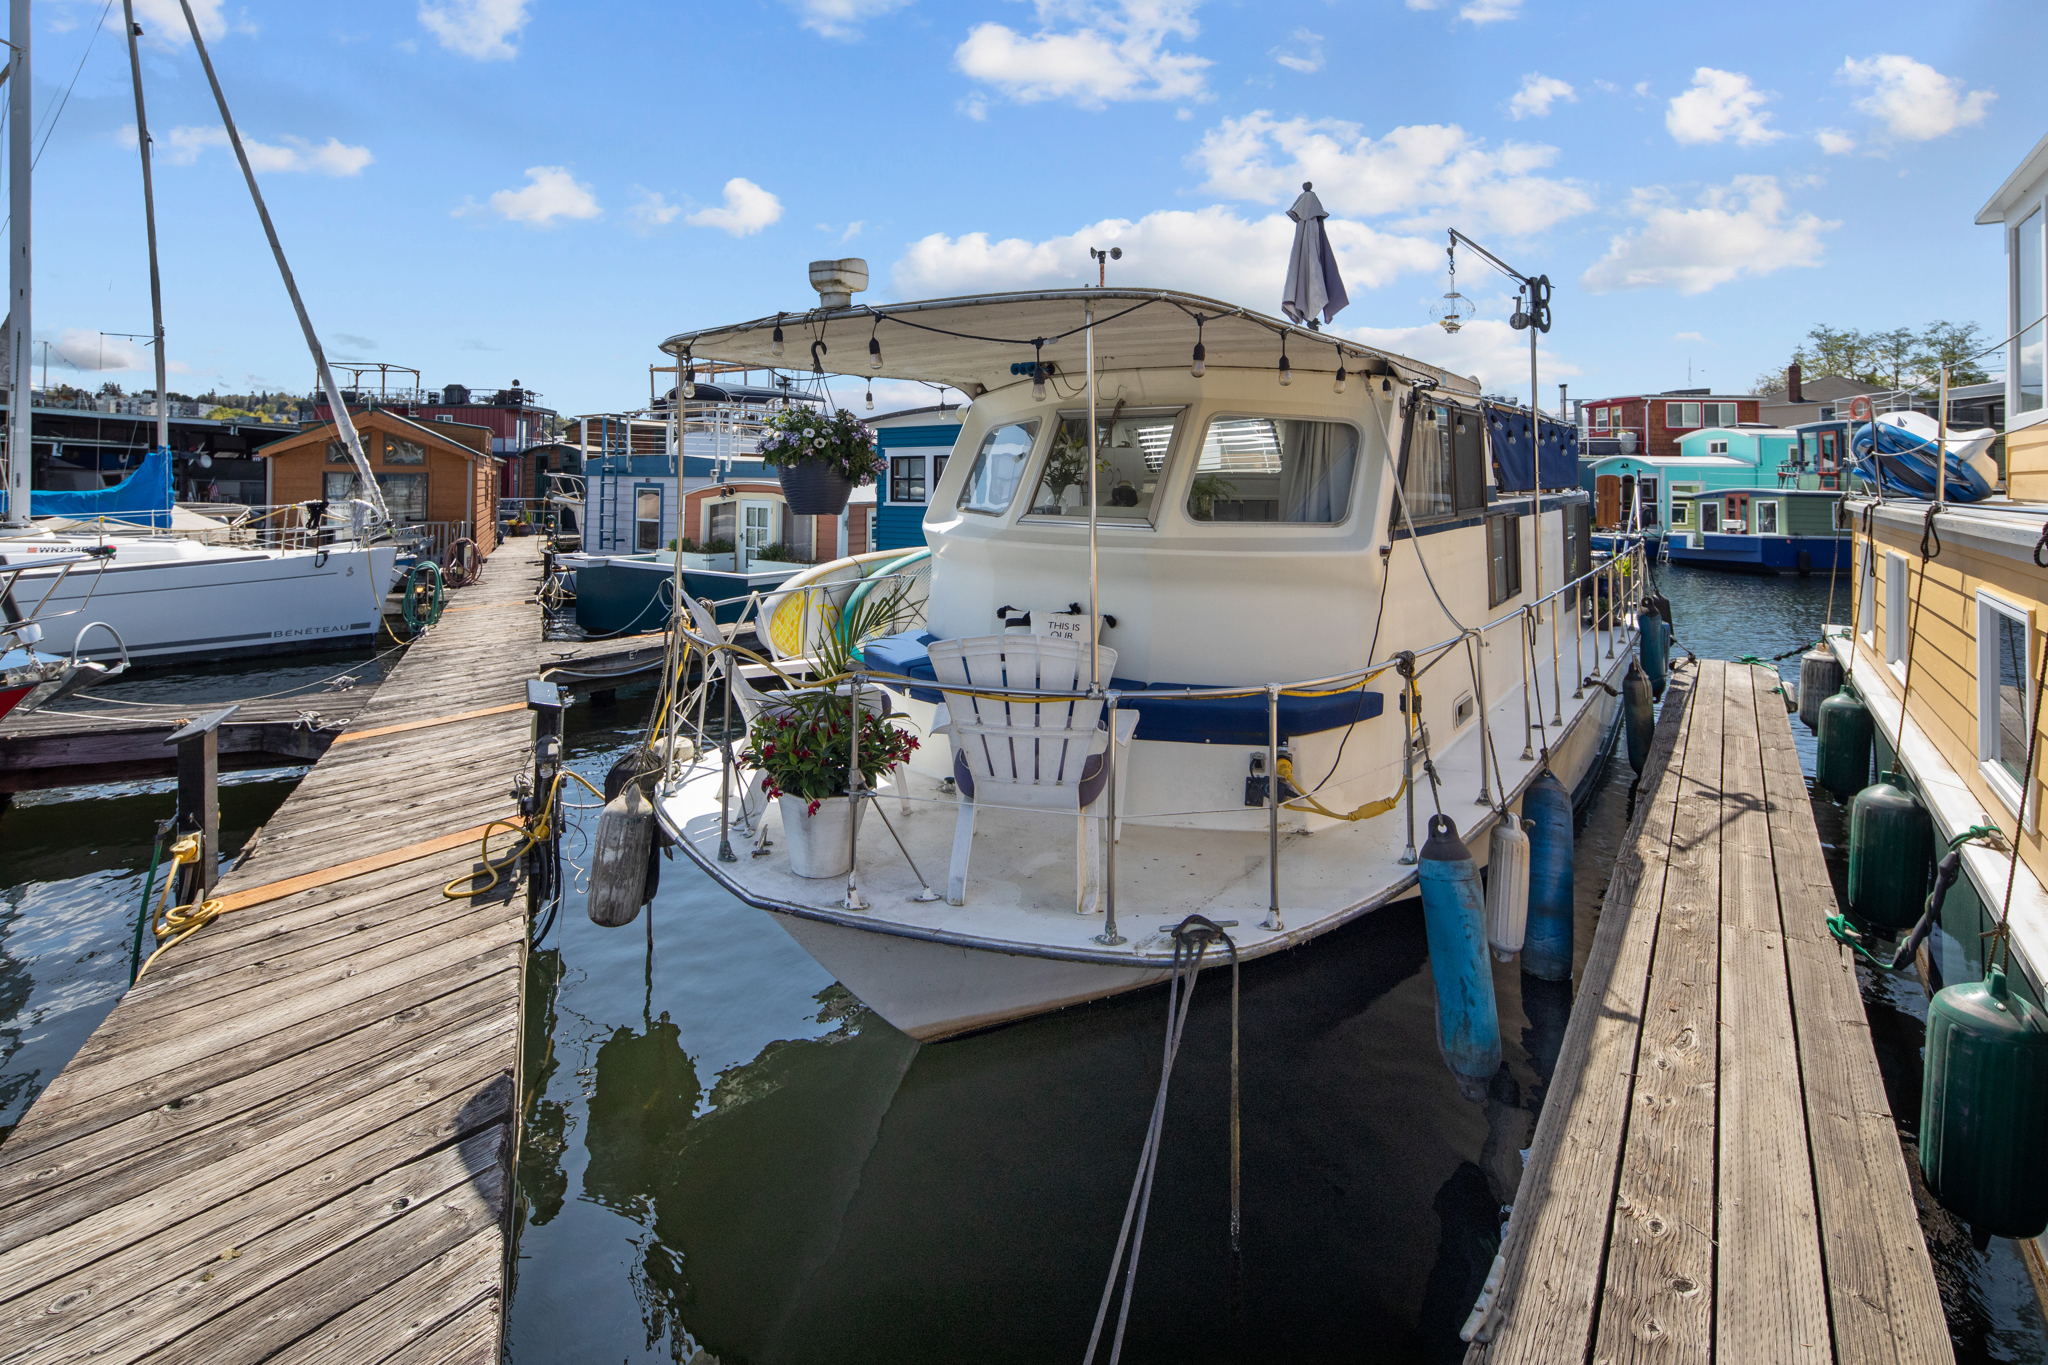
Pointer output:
1221, 612
1946, 645
1739, 497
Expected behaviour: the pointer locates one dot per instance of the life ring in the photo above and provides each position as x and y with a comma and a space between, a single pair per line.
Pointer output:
1860, 408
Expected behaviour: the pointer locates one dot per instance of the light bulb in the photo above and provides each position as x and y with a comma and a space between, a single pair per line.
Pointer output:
871, 399
1038, 385
689, 384
1341, 376
1286, 371
775, 341
1198, 364
874, 354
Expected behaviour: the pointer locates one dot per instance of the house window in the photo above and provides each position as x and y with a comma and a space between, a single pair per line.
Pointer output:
1681, 512
1767, 518
1717, 447
403, 452
647, 519
1503, 558
1895, 612
1600, 419
2030, 300
337, 453
1866, 599
1681, 416
998, 468
1275, 469
907, 478
1130, 453
2004, 700
1718, 414
405, 495
1646, 493
1827, 413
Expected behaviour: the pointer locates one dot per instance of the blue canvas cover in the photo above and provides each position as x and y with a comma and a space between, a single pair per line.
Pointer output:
144, 497
1556, 458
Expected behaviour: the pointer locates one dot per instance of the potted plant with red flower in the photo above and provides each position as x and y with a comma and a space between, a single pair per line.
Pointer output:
819, 457
803, 744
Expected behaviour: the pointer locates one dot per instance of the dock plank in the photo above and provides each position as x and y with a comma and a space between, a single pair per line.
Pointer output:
292, 1139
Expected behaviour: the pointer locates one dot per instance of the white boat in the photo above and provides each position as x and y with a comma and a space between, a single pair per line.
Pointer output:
31, 672
1264, 546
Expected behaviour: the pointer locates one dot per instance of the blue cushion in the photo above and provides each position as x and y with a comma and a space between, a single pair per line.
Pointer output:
1180, 720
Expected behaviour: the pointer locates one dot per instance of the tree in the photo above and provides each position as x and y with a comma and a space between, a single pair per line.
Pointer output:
1901, 358
1955, 344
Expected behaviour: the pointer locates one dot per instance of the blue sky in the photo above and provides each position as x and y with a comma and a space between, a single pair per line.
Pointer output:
542, 190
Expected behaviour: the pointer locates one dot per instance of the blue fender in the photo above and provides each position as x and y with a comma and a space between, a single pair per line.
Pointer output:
1547, 809
1454, 917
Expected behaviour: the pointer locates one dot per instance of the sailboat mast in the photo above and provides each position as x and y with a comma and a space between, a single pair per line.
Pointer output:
21, 397
344, 425
156, 284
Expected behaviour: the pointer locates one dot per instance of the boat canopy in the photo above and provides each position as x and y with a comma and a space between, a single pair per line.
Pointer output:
977, 343
143, 497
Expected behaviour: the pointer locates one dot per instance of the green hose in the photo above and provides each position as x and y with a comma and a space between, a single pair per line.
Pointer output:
423, 596
156, 854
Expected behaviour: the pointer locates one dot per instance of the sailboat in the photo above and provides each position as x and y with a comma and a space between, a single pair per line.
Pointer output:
166, 597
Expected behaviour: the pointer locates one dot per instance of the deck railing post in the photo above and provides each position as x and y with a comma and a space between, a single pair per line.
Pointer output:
854, 795
1273, 921
725, 756
1579, 638
1487, 776
1556, 661
1109, 937
1526, 647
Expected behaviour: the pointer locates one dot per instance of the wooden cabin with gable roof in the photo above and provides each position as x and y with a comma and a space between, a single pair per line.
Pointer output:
437, 474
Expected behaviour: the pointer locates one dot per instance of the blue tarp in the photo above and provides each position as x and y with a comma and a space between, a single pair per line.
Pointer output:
144, 497
1507, 431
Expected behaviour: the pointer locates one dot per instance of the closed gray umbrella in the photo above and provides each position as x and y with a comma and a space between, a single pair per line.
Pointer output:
1313, 285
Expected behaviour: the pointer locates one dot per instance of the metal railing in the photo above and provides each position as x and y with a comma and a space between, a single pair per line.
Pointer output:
1601, 604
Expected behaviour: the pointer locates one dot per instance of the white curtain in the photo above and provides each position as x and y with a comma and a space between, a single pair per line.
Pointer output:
1316, 468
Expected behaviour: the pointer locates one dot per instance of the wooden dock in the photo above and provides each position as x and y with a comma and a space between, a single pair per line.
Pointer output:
1715, 1174
293, 1138
93, 739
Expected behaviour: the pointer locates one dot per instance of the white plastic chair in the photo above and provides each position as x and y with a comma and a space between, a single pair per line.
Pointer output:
1049, 755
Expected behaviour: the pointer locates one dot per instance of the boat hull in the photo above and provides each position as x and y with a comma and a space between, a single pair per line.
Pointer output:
213, 605
1760, 554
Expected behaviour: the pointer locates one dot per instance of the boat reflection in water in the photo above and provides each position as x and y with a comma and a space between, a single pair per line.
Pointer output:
850, 1195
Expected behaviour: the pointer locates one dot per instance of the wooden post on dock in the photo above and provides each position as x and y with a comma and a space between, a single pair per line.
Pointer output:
198, 745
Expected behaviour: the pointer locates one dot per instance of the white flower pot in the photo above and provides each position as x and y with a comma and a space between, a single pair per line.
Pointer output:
819, 845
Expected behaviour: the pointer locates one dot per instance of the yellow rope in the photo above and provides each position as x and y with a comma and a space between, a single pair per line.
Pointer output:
176, 923
539, 831
1306, 802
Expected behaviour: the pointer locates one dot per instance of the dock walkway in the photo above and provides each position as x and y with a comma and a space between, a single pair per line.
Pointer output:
1715, 1174
292, 1140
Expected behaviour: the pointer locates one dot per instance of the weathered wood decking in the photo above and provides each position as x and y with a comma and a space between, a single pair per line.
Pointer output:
1715, 1174
292, 1139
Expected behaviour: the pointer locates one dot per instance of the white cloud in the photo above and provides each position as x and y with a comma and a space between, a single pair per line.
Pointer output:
1304, 54
1911, 99
974, 105
1720, 105
747, 209
1834, 141
1537, 94
1688, 336
550, 192
842, 18
1115, 50
651, 209
1740, 229
183, 145
81, 348
487, 30
1425, 4
1490, 11
1212, 251
1427, 171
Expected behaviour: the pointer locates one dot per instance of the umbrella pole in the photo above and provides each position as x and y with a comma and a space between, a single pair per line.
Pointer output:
1094, 560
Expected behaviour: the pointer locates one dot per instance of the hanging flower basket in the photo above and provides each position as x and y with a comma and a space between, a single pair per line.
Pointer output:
819, 457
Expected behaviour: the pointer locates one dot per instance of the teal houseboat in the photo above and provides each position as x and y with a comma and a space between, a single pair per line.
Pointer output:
1743, 497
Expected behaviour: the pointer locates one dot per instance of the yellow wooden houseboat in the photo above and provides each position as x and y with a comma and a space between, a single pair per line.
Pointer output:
1951, 624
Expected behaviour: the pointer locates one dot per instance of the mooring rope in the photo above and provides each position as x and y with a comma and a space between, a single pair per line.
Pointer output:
1192, 938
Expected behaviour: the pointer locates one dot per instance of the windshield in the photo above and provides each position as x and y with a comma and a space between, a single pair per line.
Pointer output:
998, 468
1130, 458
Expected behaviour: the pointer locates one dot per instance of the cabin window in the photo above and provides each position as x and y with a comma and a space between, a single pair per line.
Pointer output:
1895, 594
1717, 447
1503, 558
723, 523
337, 453
1767, 518
403, 452
1710, 514
2029, 272
405, 495
647, 519
998, 468
1866, 599
1646, 493
1130, 457
1274, 469
1681, 513
1444, 470
1600, 419
1578, 542
2004, 703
